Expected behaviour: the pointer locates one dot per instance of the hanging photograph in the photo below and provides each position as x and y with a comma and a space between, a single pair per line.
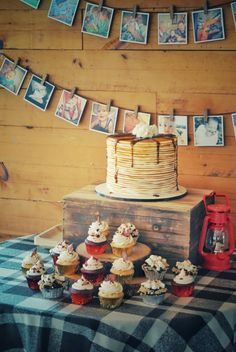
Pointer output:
234, 123
70, 107
233, 7
97, 21
131, 120
208, 27
63, 11
39, 94
172, 31
102, 120
177, 125
32, 3
11, 78
208, 132
134, 29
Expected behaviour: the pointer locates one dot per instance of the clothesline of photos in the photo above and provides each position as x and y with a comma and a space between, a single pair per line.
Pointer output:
208, 129
208, 24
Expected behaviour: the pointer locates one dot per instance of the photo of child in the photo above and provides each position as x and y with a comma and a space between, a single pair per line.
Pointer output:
210, 132
32, 3
177, 125
131, 120
102, 120
134, 29
234, 123
172, 31
97, 22
70, 108
63, 11
233, 8
39, 94
11, 78
208, 27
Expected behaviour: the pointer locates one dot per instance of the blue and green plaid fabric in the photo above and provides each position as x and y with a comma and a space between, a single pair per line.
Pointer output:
205, 322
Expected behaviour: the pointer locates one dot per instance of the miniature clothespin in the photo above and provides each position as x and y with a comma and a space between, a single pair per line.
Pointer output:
172, 13
205, 7
100, 5
72, 92
98, 216
109, 105
135, 11
206, 113
43, 79
136, 110
16, 63
172, 114
4, 175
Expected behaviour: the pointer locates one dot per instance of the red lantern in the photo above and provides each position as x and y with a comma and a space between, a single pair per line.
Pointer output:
217, 238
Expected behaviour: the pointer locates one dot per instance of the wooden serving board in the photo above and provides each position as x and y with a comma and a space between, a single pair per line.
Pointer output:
140, 252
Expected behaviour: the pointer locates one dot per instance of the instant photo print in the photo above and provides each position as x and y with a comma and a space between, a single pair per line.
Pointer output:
70, 107
172, 31
32, 3
233, 8
177, 125
131, 120
134, 28
234, 123
39, 93
97, 21
11, 76
102, 119
208, 27
209, 133
63, 11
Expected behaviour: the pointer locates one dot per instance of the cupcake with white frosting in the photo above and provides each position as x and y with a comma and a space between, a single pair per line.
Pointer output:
183, 281
82, 291
100, 227
51, 285
122, 242
30, 260
96, 243
128, 229
187, 266
33, 275
152, 292
68, 261
110, 293
123, 269
93, 271
155, 267
56, 251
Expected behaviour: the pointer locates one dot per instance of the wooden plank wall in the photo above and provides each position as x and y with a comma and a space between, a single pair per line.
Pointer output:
48, 158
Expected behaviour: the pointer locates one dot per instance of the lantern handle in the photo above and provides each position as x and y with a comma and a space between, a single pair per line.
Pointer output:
214, 194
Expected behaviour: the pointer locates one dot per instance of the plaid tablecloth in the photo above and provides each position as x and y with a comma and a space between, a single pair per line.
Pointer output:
29, 323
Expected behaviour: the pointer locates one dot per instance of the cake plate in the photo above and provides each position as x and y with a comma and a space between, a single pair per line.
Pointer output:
103, 191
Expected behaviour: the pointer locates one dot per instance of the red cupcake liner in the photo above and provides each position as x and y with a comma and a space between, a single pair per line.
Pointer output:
182, 290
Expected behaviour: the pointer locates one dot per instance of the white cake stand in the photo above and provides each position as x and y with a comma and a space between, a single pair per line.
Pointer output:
103, 191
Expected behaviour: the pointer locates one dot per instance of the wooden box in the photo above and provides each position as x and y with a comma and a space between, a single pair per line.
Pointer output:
171, 228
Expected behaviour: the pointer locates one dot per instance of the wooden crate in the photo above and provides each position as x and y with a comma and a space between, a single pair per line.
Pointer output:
171, 228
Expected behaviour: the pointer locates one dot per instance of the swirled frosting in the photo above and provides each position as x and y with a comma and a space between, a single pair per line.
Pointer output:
121, 240
183, 278
51, 280
187, 266
152, 287
36, 270
92, 264
96, 238
121, 264
98, 227
110, 287
142, 130
82, 284
60, 247
155, 262
31, 259
127, 230
68, 257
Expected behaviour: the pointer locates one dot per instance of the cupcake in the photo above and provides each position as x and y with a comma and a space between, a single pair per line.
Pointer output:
122, 242
81, 291
110, 293
30, 260
155, 267
123, 269
33, 275
128, 229
152, 292
100, 227
68, 261
183, 284
96, 243
51, 285
93, 271
56, 251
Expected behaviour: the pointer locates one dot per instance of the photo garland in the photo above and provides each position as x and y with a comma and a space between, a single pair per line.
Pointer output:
208, 24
